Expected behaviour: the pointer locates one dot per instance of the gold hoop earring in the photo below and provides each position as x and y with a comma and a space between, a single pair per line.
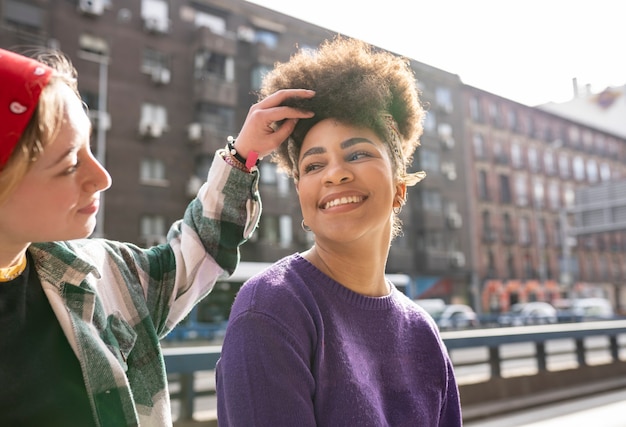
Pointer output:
305, 227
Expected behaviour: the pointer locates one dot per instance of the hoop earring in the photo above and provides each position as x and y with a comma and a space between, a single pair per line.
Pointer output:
397, 210
305, 227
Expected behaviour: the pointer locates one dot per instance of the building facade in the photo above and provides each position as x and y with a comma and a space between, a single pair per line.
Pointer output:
166, 82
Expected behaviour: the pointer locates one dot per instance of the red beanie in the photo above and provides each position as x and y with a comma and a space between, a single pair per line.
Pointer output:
21, 81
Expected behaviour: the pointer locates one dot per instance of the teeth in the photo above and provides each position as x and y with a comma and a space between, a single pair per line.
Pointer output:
343, 201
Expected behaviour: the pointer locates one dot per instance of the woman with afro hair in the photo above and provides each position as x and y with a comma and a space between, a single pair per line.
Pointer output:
322, 338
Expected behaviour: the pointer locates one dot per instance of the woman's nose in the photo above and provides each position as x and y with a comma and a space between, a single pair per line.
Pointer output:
337, 173
97, 176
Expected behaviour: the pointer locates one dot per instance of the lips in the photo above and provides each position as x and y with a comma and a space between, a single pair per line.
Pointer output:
346, 200
91, 208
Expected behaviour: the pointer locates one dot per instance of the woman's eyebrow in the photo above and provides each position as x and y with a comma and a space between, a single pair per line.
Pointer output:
345, 144
353, 141
66, 154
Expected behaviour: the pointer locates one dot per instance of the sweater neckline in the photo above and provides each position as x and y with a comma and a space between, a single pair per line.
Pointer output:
329, 285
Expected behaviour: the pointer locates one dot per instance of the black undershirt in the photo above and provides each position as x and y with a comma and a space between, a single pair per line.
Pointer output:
41, 383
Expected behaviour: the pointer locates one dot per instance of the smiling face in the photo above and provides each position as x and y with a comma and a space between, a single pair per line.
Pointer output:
58, 198
346, 184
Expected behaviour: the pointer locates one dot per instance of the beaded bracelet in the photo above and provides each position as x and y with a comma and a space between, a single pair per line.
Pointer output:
250, 162
233, 162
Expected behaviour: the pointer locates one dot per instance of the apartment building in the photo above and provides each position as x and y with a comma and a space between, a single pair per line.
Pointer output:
527, 165
166, 82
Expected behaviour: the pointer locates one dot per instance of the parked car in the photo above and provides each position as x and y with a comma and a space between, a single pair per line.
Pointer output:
433, 306
592, 309
529, 313
457, 316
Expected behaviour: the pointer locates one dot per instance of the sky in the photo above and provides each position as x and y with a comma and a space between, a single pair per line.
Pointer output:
529, 51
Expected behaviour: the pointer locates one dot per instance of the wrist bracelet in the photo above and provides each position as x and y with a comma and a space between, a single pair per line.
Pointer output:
250, 162
231, 161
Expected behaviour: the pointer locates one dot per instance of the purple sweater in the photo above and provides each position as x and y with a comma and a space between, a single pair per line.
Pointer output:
303, 350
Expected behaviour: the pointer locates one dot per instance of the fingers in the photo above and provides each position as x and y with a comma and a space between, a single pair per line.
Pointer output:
269, 123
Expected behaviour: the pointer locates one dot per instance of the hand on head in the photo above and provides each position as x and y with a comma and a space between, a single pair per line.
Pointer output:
261, 132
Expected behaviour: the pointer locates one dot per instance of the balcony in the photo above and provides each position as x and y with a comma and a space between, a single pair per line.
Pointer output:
217, 43
216, 90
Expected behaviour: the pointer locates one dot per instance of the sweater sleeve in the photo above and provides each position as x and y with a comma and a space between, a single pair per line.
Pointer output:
264, 374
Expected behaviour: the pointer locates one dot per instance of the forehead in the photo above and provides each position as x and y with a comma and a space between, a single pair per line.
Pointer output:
330, 131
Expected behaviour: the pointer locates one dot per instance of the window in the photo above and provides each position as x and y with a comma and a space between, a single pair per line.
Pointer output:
445, 134
538, 193
548, 162
24, 15
480, 151
152, 229
483, 185
152, 172
541, 232
475, 111
430, 121
286, 235
275, 230
579, 168
516, 155
155, 15
443, 97
533, 159
592, 171
268, 38
524, 230
153, 120
209, 63
605, 172
258, 73
153, 61
216, 24
268, 173
564, 168
521, 190
429, 161
431, 201
507, 227
554, 195
215, 117
92, 45
505, 189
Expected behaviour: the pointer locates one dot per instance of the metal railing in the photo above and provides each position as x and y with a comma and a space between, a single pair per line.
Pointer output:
492, 350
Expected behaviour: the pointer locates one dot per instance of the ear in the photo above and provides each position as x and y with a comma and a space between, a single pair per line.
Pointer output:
400, 197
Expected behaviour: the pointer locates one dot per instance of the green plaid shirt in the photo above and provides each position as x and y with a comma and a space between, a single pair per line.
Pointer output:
115, 301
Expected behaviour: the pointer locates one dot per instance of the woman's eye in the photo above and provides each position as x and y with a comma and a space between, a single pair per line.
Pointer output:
72, 168
311, 167
358, 155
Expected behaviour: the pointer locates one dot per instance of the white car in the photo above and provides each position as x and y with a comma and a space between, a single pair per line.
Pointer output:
529, 313
457, 316
592, 309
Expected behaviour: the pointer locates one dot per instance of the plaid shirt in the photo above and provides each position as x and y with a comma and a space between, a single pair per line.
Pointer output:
115, 301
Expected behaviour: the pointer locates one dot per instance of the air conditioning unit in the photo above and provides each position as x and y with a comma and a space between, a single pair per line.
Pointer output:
156, 25
151, 130
194, 132
161, 76
447, 142
100, 119
245, 34
193, 186
455, 220
448, 169
91, 7
457, 259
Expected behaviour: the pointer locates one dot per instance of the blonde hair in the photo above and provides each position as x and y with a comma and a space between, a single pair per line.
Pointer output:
43, 125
